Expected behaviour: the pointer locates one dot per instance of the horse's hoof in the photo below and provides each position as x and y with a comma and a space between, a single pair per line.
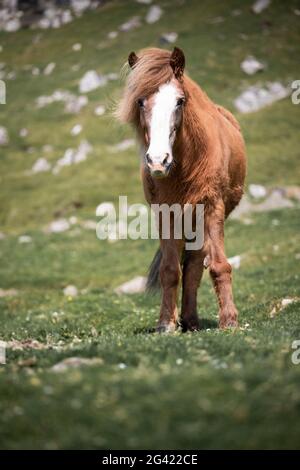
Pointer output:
228, 323
191, 324
166, 328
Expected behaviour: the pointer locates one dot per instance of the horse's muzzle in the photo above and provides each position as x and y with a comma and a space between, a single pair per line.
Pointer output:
159, 170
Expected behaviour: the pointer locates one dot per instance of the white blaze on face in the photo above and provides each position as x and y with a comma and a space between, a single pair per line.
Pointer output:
161, 120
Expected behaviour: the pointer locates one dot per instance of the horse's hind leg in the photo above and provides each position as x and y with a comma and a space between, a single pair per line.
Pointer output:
220, 269
191, 278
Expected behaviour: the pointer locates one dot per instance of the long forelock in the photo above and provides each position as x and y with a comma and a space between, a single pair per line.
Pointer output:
150, 72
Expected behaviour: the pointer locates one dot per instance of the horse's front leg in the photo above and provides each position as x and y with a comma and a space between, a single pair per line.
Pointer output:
219, 268
170, 272
191, 278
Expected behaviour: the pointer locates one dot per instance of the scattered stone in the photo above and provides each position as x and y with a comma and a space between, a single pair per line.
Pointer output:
89, 224
255, 97
23, 132
2, 236
91, 81
122, 146
291, 192
168, 38
73, 156
77, 47
235, 261
131, 24
144, 2
70, 291
76, 362
49, 68
73, 103
112, 34
99, 110
58, 226
40, 166
281, 305
251, 65
24, 239
153, 14
17, 345
35, 71
257, 191
8, 292
3, 136
217, 20
274, 201
76, 129
12, 25
136, 285
260, 5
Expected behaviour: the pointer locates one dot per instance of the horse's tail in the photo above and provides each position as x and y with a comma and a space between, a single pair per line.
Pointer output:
153, 283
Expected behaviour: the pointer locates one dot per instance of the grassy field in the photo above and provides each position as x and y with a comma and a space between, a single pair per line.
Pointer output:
211, 389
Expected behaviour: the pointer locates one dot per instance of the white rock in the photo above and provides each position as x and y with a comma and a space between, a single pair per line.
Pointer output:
24, 239
274, 201
58, 226
76, 362
124, 145
260, 5
169, 37
76, 129
288, 301
77, 47
75, 104
12, 25
35, 71
49, 68
73, 156
251, 65
136, 285
23, 132
91, 81
44, 23
89, 224
153, 14
2, 236
8, 292
145, 2
112, 34
70, 291
235, 261
66, 17
79, 6
3, 136
257, 191
255, 98
131, 24
40, 166
56, 23
99, 110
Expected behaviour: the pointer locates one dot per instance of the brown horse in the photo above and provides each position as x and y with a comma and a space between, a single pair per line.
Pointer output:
193, 152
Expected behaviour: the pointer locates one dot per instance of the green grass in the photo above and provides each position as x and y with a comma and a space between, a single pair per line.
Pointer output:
212, 389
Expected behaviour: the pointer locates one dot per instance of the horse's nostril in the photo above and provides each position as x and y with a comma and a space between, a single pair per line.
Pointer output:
148, 159
166, 160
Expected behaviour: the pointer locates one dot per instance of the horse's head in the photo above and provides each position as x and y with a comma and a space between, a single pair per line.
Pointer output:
160, 116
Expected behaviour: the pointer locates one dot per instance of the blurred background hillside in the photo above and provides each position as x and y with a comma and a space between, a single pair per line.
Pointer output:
62, 154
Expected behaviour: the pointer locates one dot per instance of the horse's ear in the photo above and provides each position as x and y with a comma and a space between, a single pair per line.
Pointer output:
177, 62
132, 59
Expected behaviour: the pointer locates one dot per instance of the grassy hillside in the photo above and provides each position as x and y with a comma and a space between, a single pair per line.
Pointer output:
212, 389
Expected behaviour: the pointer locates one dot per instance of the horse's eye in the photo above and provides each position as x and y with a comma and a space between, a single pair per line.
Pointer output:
180, 102
140, 102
